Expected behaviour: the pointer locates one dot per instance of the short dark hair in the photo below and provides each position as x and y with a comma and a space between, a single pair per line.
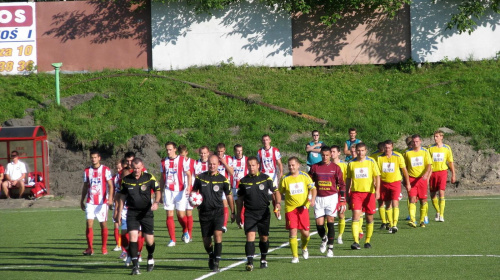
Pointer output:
325, 148
182, 148
14, 152
129, 155
92, 152
335, 147
388, 142
381, 145
294, 158
237, 146
352, 129
220, 145
361, 145
253, 158
265, 135
314, 131
171, 143
137, 160
204, 147
414, 136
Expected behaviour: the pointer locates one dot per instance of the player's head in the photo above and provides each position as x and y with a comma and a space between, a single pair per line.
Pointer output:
361, 150
124, 163
171, 148
335, 150
137, 166
14, 155
95, 157
204, 153
352, 133
213, 164
183, 150
438, 136
294, 165
266, 141
326, 154
315, 135
220, 149
119, 165
129, 156
353, 150
253, 165
409, 142
417, 141
238, 151
381, 147
388, 146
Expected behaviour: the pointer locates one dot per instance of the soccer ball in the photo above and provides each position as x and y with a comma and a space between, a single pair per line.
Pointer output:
195, 199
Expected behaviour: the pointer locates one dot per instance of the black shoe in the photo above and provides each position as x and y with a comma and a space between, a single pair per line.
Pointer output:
387, 226
249, 267
383, 226
211, 263
135, 271
394, 229
368, 246
263, 264
216, 267
355, 246
151, 265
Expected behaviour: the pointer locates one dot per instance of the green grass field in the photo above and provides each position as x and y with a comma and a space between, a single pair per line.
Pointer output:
48, 244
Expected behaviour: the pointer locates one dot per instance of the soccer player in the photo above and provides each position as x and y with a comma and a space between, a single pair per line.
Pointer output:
188, 219
201, 165
300, 193
381, 206
240, 170
335, 150
270, 161
313, 150
176, 178
442, 159
211, 185
136, 193
225, 162
419, 165
363, 180
15, 174
116, 221
97, 196
326, 176
349, 142
253, 191
391, 165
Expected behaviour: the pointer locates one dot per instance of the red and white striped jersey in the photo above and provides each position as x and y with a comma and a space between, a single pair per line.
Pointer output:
268, 159
222, 170
174, 172
200, 167
97, 180
240, 168
190, 163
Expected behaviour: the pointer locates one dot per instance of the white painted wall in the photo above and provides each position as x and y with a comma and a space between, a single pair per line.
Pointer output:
247, 33
431, 42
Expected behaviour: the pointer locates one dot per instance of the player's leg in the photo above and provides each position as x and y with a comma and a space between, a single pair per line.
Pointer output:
226, 212
218, 225
382, 212
412, 208
116, 229
390, 213
147, 227
89, 234
291, 225
133, 247
330, 224
341, 228
169, 206
303, 226
189, 225
250, 248
369, 207
442, 204
181, 203
263, 230
102, 217
422, 196
369, 230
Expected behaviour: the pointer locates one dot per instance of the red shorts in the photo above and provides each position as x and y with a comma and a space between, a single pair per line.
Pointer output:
390, 191
363, 201
438, 180
418, 188
298, 218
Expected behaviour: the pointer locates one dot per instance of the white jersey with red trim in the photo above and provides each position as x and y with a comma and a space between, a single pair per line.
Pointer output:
97, 180
191, 164
222, 169
240, 168
268, 159
200, 167
174, 172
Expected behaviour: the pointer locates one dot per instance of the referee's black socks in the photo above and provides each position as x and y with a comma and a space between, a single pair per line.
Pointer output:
331, 232
264, 248
217, 251
151, 250
321, 230
250, 251
133, 248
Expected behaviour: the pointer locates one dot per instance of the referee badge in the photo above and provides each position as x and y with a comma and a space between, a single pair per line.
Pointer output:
216, 188
261, 187
143, 188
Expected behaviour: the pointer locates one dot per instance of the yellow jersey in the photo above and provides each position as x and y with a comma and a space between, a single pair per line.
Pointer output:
416, 162
390, 167
361, 174
343, 166
440, 156
296, 190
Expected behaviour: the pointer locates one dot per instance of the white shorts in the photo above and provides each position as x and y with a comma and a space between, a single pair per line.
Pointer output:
326, 205
174, 200
99, 211
188, 205
124, 218
235, 194
224, 196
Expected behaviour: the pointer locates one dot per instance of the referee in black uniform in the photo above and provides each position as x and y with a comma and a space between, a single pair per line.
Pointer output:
212, 185
136, 192
253, 193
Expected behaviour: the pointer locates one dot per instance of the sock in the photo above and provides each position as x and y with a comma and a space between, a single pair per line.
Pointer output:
381, 211
90, 237
435, 203
294, 245
217, 251
171, 227
226, 214
190, 226
210, 251
395, 216
413, 211
104, 237
423, 211
355, 231
151, 250
331, 233
341, 226
117, 237
125, 242
408, 204
361, 224
133, 253
250, 251
264, 248
140, 244
305, 241
321, 231
390, 216
369, 232
442, 203
183, 223
243, 215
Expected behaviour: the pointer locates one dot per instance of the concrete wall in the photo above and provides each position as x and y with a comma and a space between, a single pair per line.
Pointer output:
92, 35
358, 38
431, 42
247, 33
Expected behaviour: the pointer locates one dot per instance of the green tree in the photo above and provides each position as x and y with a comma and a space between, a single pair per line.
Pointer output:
470, 11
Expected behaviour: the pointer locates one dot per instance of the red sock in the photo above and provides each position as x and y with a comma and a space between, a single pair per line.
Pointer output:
117, 236
104, 237
182, 222
124, 242
140, 243
243, 215
226, 214
90, 237
190, 225
171, 227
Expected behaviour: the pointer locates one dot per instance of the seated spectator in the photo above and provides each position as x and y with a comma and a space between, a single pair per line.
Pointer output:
15, 173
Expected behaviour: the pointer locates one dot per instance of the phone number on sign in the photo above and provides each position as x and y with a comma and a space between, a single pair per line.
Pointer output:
8, 66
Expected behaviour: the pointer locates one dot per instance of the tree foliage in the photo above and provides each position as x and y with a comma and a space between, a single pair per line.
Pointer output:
470, 11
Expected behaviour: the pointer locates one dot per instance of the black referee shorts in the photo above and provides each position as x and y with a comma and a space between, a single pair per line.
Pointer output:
211, 221
257, 221
140, 220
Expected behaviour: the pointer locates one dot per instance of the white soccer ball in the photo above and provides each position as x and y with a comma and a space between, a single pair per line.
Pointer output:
195, 199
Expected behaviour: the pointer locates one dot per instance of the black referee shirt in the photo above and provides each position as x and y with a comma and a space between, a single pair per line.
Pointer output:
211, 188
138, 191
255, 191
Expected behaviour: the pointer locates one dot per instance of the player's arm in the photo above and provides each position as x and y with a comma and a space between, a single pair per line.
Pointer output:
377, 186
427, 173
348, 183
406, 178
452, 169
85, 190
230, 200
280, 167
189, 183
239, 204
312, 195
157, 191
111, 192
346, 150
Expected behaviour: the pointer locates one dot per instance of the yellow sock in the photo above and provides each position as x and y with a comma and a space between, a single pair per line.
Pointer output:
381, 211
390, 217
294, 245
423, 211
119, 240
341, 226
442, 203
361, 224
395, 216
413, 211
305, 241
435, 203
369, 232
355, 231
